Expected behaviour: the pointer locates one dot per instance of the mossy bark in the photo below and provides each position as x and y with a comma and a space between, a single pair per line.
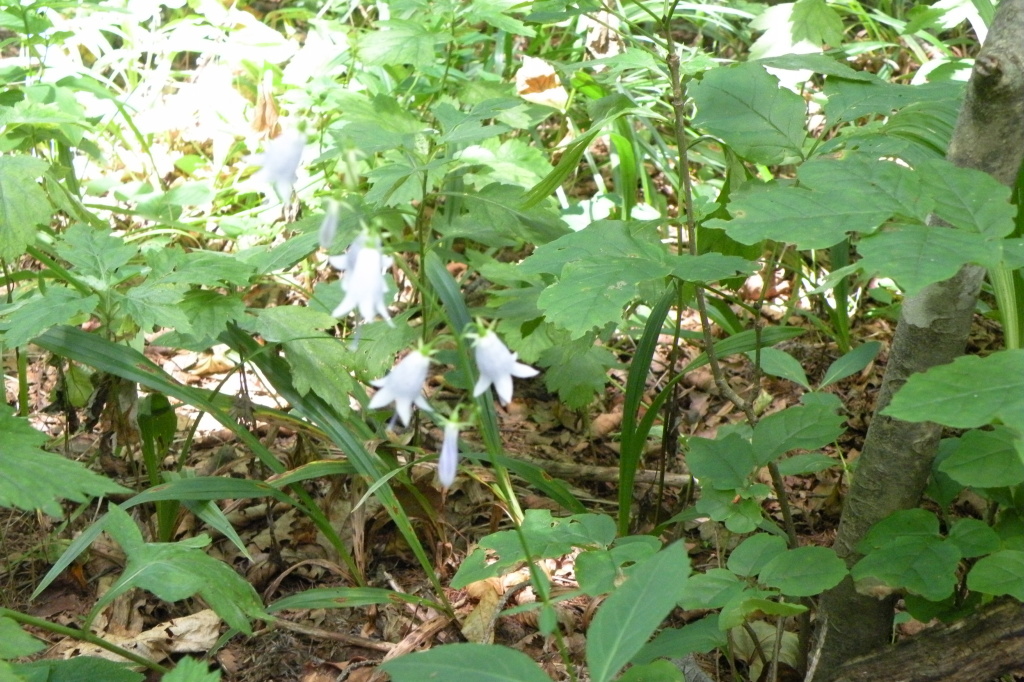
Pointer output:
896, 461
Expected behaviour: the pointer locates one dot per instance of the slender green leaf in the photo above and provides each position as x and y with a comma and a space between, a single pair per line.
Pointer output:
478, 662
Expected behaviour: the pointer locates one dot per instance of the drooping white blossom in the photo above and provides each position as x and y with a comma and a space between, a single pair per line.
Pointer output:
448, 461
403, 386
279, 162
364, 283
329, 226
497, 365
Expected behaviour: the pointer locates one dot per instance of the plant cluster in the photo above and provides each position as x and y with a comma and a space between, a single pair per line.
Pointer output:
411, 144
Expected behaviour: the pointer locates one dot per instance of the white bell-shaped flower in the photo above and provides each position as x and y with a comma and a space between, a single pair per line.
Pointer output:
403, 386
279, 162
448, 461
364, 283
497, 365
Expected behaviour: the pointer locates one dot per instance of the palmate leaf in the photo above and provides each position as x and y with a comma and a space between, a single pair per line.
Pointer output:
23, 204
399, 41
745, 106
31, 478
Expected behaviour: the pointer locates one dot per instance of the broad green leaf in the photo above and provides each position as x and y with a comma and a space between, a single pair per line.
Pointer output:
819, 63
709, 267
545, 535
922, 565
724, 464
745, 106
346, 598
76, 670
851, 363
751, 602
15, 642
866, 178
918, 255
576, 373
998, 574
941, 487
968, 199
804, 571
598, 242
399, 42
974, 537
23, 204
754, 553
779, 363
806, 218
95, 254
35, 479
655, 671
908, 523
155, 304
626, 619
598, 571
176, 571
810, 463
967, 393
478, 662
592, 294
848, 100
816, 22
33, 316
495, 217
741, 514
698, 637
209, 312
710, 590
802, 427
986, 459
191, 670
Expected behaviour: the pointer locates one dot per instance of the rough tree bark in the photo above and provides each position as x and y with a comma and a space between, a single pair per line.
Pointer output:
894, 466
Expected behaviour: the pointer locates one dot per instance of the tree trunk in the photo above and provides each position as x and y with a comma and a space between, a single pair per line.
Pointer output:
894, 466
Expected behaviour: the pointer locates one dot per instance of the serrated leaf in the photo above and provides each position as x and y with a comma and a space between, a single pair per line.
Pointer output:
816, 22
751, 555
33, 316
601, 240
866, 178
792, 215
478, 662
209, 312
967, 393
986, 459
35, 479
626, 619
803, 427
851, 363
576, 373
176, 571
399, 42
803, 571
968, 199
745, 106
974, 537
155, 304
998, 574
724, 463
96, 254
709, 267
918, 255
191, 670
495, 217
592, 294
922, 565
23, 204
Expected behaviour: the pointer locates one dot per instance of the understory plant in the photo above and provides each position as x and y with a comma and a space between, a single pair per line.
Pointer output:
402, 162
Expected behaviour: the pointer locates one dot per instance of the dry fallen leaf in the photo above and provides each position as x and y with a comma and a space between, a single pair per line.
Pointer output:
537, 82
